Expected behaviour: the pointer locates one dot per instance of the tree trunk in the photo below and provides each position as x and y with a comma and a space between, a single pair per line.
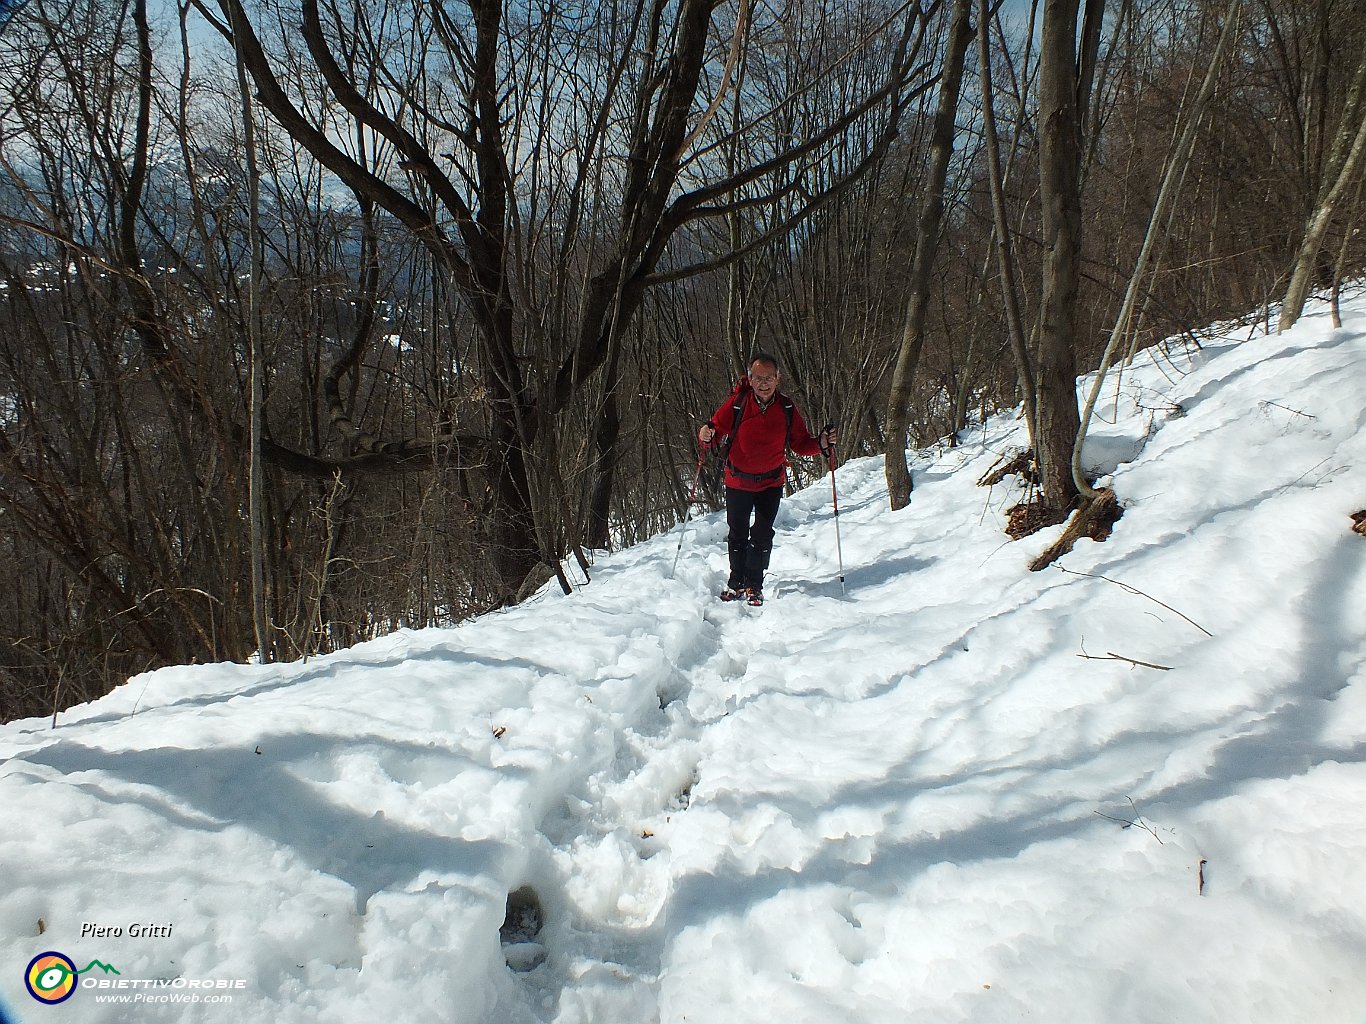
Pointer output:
1060, 153
605, 454
1005, 257
927, 244
256, 382
1340, 264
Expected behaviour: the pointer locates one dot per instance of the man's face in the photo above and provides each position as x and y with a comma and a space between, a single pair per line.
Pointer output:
763, 378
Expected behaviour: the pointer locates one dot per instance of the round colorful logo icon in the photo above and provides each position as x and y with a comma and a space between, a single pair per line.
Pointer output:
51, 977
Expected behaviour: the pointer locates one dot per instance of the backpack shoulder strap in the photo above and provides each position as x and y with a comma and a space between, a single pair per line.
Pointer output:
741, 393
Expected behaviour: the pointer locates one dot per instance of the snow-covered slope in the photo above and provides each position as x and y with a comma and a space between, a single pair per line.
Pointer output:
950, 795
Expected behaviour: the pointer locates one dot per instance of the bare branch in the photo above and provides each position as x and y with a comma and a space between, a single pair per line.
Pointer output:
1112, 656
1138, 593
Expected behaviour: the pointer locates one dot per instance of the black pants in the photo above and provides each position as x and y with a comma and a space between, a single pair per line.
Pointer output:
750, 545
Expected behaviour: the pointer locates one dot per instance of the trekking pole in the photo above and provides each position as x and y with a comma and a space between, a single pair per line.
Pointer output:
835, 500
687, 513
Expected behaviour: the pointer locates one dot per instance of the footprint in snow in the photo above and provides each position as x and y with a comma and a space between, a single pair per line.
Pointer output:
521, 930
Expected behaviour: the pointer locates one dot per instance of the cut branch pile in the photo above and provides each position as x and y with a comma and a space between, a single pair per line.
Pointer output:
1029, 517
1019, 463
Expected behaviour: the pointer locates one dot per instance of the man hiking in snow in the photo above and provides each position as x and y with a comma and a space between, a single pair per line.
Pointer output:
761, 425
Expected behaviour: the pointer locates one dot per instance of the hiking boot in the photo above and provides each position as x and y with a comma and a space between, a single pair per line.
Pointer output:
731, 594
754, 596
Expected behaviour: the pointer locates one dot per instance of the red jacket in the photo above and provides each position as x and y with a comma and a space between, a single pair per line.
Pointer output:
758, 449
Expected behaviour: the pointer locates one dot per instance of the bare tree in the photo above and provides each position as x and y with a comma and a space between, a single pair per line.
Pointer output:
926, 246
1175, 167
1345, 158
486, 172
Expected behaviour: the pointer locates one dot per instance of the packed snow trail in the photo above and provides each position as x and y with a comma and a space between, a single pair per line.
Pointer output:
952, 795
